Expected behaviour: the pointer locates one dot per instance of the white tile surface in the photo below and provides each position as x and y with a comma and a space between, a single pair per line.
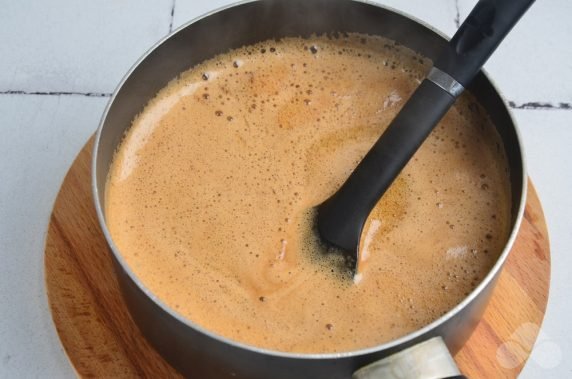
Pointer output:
68, 45
534, 62
87, 46
547, 137
41, 137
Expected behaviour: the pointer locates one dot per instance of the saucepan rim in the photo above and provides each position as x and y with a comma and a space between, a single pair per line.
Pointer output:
384, 346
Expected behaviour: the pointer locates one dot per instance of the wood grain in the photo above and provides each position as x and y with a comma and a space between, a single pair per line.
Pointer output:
102, 340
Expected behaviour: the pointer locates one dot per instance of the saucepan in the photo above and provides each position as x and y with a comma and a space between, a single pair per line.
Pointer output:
197, 352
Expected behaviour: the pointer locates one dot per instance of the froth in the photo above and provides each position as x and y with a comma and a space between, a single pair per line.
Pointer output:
211, 194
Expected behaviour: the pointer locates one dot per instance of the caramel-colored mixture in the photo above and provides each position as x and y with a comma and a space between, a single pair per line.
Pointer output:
211, 196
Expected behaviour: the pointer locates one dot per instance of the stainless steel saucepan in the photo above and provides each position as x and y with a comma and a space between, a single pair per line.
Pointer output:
197, 352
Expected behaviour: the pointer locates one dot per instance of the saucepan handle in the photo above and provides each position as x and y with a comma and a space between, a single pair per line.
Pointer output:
430, 359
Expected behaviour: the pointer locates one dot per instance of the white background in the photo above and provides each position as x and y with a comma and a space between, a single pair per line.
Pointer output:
60, 60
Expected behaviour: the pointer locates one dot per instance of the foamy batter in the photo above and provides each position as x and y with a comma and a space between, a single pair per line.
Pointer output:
211, 194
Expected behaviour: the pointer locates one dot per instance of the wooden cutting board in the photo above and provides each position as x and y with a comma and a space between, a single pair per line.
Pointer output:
102, 340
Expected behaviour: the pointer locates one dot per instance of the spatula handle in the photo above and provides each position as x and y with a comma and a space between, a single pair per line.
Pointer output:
478, 37
483, 30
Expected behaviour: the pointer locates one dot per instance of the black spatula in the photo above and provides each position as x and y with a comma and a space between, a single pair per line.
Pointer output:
341, 218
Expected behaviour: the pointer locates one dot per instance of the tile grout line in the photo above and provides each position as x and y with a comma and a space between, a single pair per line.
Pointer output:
540, 105
530, 105
457, 18
173, 2
56, 93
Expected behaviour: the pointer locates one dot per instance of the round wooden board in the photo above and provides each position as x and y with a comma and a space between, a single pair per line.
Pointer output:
102, 340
